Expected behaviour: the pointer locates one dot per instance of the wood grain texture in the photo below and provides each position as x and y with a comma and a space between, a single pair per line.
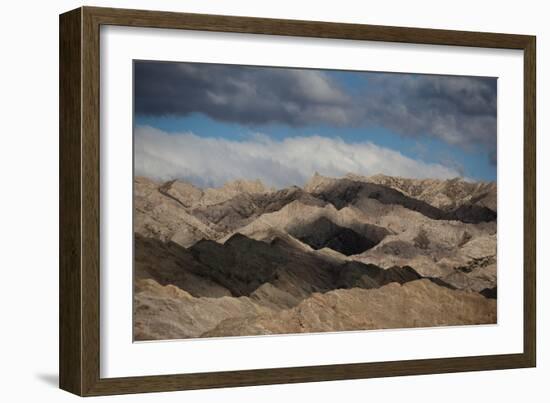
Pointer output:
530, 203
80, 201
317, 29
70, 314
90, 202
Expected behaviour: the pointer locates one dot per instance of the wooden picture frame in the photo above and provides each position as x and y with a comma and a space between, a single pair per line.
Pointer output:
79, 346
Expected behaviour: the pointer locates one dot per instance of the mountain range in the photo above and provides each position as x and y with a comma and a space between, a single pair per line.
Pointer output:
350, 253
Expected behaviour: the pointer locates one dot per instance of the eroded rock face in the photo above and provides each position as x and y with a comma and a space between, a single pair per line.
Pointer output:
244, 259
162, 217
346, 192
419, 303
444, 194
164, 312
168, 312
241, 209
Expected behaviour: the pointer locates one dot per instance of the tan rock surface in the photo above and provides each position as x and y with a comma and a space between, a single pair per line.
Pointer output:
167, 312
444, 252
340, 254
446, 194
159, 216
416, 304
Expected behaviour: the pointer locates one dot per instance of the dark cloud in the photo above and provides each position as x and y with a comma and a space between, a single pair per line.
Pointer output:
246, 95
458, 110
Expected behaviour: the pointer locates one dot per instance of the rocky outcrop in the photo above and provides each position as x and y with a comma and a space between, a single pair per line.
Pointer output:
191, 196
241, 209
162, 217
168, 263
415, 304
447, 194
346, 192
168, 312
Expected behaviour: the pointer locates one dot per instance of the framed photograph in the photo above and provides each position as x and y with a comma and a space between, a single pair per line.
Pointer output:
249, 201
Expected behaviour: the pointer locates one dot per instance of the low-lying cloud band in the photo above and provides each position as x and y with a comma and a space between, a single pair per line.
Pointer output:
278, 163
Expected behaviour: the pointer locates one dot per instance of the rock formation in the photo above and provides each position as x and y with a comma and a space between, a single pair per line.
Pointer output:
352, 253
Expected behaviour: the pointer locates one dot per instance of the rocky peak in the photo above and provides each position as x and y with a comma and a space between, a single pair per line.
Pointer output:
245, 186
184, 192
317, 182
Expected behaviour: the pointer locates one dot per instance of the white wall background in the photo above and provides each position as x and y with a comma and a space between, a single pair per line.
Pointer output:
29, 198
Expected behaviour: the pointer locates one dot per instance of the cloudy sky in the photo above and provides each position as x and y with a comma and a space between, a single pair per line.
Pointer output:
210, 123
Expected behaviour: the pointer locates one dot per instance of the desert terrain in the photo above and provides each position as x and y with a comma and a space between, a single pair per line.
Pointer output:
349, 253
